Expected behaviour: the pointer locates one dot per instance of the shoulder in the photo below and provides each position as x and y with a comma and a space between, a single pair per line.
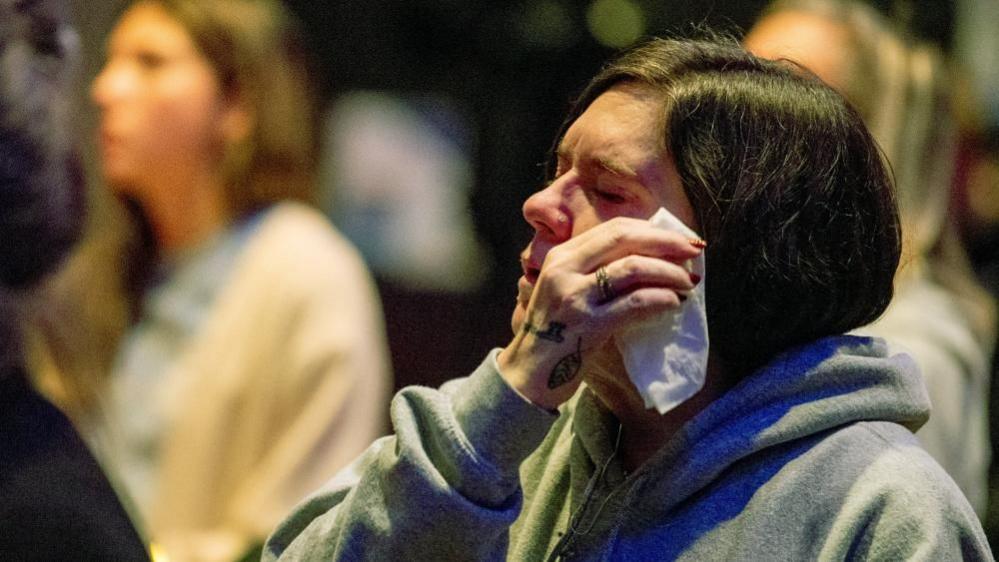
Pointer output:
867, 489
73, 527
896, 467
56, 498
296, 248
883, 459
302, 231
893, 496
858, 472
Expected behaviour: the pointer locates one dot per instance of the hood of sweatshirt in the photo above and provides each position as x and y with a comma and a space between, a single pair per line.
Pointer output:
803, 392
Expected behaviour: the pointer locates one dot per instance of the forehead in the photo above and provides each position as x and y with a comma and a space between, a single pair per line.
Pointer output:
621, 133
624, 119
148, 23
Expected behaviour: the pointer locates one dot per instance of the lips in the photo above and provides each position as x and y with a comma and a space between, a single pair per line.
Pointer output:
530, 262
525, 286
531, 273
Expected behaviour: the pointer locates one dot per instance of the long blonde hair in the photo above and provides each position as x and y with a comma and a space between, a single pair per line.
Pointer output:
259, 58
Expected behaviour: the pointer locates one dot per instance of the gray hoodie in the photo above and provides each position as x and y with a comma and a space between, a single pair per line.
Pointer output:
811, 458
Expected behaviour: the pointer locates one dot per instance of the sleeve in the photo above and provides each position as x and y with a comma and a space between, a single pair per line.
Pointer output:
445, 486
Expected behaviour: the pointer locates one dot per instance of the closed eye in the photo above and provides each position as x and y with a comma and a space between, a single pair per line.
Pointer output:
610, 196
149, 60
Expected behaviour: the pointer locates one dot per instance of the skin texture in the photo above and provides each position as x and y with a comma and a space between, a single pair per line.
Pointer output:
613, 174
164, 125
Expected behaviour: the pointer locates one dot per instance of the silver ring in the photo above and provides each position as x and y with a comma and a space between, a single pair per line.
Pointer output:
604, 287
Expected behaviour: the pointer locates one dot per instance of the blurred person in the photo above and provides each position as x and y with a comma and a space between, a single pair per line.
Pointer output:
940, 314
55, 502
398, 182
255, 362
976, 49
798, 444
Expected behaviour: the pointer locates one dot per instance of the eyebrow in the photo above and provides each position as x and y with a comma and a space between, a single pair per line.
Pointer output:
617, 168
609, 165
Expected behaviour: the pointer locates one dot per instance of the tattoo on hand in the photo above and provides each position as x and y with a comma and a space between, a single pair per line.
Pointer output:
553, 333
567, 368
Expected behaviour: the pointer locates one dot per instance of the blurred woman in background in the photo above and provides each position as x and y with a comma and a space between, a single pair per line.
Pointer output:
254, 361
940, 313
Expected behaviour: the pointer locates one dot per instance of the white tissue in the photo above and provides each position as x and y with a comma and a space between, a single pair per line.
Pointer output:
666, 358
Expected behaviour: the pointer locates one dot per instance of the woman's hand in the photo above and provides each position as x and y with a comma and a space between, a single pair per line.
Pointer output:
617, 273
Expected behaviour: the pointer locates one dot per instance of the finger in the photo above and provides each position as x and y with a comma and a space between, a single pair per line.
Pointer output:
635, 272
623, 236
637, 306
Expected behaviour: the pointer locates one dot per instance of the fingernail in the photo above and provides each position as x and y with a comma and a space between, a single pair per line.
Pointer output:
695, 278
698, 243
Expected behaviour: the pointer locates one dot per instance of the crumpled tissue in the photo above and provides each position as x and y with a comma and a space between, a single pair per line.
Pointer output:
667, 357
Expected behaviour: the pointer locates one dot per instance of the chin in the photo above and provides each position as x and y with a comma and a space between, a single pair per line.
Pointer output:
517, 319
114, 176
118, 182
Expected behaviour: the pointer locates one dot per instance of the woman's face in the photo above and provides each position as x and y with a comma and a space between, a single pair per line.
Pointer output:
612, 162
160, 103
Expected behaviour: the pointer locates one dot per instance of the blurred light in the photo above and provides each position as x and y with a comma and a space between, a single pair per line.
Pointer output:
616, 23
547, 25
157, 553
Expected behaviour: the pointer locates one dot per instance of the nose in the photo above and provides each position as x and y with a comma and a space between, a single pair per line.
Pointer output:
545, 211
109, 84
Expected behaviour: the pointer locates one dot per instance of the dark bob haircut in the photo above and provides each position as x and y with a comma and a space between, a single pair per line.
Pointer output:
790, 190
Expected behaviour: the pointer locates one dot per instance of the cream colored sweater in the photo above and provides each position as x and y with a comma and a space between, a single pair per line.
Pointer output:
286, 381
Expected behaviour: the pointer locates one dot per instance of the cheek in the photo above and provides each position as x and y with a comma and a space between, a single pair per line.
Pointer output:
181, 123
167, 116
635, 210
584, 212
602, 212
674, 198
169, 131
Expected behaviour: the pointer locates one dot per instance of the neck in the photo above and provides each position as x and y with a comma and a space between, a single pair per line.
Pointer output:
184, 215
644, 431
